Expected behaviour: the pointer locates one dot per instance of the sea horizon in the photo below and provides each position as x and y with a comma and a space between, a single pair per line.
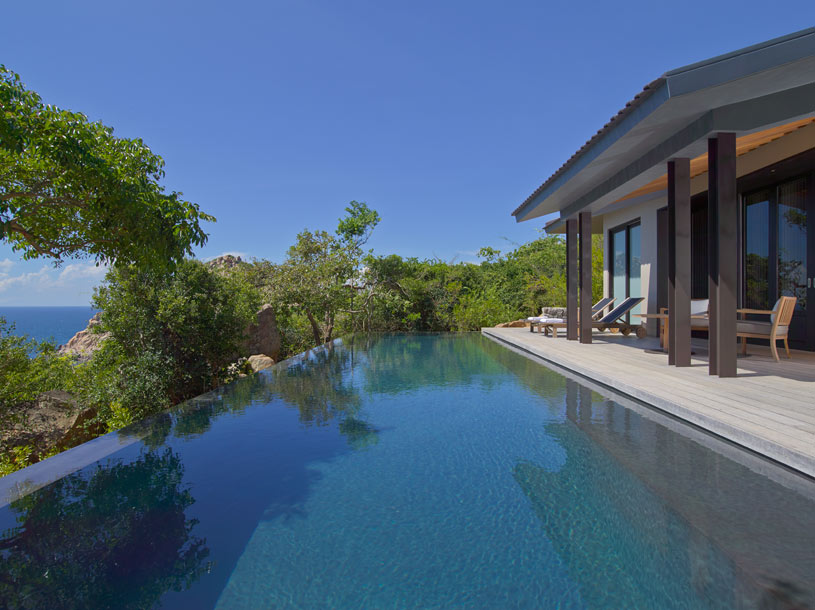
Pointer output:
57, 323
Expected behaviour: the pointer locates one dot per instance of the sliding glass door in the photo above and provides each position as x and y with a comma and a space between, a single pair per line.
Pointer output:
778, 255
624, 266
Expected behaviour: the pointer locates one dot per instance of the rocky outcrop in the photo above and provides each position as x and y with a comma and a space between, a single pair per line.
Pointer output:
225, 263
263, 337
554, 312
258, 362
84, 343
53, 420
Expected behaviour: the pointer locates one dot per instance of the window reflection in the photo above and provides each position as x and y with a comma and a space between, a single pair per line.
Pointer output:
757, 250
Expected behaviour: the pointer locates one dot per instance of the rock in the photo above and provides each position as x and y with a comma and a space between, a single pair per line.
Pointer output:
54, 419
258, 362
225, 263
263, 337
513, 324
85, 342
554, 312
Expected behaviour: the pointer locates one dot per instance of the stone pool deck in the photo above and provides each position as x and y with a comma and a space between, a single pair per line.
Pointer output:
769, 408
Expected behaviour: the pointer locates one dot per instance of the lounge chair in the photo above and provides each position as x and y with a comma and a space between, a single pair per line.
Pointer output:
777, 329
611, 321
596, 310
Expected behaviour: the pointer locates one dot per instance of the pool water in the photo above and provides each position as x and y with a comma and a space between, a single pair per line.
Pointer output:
413, 471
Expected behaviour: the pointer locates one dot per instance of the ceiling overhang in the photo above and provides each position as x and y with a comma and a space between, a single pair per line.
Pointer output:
745, 92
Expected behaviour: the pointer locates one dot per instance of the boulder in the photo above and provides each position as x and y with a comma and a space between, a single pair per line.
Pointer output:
513, 324
85, 342
225, 263
554, 312
53, 420
263, 337
258, 362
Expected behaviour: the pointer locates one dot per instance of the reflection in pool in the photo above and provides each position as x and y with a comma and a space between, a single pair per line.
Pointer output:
412, 471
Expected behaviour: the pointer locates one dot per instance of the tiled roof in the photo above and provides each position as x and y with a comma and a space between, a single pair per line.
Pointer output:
627, 109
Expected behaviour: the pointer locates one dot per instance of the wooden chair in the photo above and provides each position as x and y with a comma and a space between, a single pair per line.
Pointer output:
776, 329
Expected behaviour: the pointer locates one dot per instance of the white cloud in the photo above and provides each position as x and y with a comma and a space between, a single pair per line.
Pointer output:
74, 272
26, 280
69, 285
5, 266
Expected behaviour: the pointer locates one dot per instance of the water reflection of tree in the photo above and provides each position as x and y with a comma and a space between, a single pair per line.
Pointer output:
318, 385
416, 361
115, 537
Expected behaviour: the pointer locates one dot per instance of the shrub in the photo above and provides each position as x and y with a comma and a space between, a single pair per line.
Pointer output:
476, 310
173, 336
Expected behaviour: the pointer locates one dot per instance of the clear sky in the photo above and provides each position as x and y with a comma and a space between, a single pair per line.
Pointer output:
272, 115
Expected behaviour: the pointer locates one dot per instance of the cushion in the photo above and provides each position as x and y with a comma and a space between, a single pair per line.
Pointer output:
554, 321
699, 306
775, 308
759, 328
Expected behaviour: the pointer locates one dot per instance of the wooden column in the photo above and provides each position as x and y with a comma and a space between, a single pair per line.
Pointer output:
571, 279
679, 262
723, 275
713, 254
584, 220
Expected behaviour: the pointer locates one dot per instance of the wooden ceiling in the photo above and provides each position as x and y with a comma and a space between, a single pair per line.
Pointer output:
744, 145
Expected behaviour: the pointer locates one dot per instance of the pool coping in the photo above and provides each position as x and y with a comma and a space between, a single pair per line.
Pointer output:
746, 441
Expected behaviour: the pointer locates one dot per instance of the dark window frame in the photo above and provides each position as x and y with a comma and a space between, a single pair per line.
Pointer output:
625, 226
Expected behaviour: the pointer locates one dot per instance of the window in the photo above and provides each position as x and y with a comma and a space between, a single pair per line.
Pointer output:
625, 263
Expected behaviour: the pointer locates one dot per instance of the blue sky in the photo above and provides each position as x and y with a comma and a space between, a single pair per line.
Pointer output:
443, 116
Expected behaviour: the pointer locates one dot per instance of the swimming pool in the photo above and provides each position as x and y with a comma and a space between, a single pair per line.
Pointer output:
415, 471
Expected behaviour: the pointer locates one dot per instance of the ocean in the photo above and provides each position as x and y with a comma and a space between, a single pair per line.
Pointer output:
57, 324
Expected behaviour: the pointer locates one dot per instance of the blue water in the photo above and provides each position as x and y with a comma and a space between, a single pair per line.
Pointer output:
412, 471
57, 324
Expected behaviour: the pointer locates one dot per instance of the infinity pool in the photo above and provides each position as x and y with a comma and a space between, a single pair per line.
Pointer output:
408, 471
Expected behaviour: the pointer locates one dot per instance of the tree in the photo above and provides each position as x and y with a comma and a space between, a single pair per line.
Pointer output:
322, 270
172, 336
69, 188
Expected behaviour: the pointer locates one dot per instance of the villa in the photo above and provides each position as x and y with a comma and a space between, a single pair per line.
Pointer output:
703, 187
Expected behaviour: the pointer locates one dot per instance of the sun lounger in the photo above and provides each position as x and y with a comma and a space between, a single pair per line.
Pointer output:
612, 321
597, 310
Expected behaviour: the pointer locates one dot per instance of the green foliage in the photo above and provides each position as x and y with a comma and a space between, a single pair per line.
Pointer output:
70, 188
320, 275
474, 311
23, 377
173, 335
358, 223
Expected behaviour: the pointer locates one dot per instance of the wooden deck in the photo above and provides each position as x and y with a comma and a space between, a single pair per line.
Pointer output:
769, 408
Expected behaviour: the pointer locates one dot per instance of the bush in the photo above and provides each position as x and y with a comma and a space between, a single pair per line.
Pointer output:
23, 377
172, 336
475, 311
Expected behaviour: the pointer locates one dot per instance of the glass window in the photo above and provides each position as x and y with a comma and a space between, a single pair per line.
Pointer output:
634, 262
619, 259
792, 241
626, 264
757, 250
